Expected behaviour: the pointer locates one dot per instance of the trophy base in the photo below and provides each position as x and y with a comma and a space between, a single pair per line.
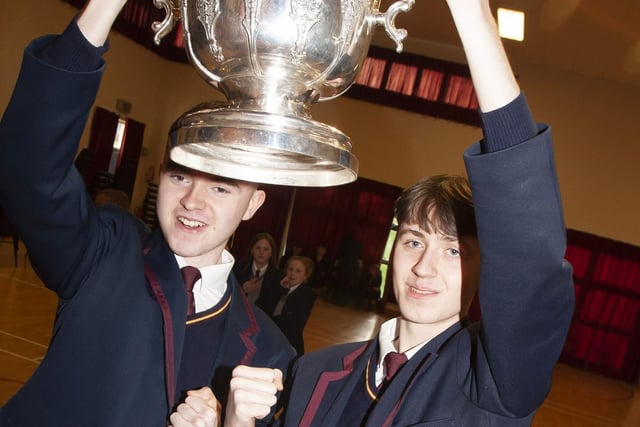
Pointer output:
263, 147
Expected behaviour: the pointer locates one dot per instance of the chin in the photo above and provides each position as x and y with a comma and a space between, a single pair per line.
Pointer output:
183, 248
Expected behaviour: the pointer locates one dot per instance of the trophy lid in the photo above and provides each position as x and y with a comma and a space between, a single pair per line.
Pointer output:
262, 147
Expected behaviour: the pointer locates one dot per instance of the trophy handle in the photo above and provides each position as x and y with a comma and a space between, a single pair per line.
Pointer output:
172, 15
388, 18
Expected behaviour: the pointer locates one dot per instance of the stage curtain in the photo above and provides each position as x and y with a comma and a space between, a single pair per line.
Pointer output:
605, 332
324, 215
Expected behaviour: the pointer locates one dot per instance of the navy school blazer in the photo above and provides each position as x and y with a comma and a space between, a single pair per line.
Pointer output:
120, 321
496, 372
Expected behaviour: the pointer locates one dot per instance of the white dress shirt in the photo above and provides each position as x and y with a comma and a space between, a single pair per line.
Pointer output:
210, 289
387, 335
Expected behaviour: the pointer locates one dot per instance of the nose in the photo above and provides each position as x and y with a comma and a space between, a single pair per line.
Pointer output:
193, 197
426, 265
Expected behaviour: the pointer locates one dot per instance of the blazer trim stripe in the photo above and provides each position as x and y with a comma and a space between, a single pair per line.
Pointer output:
245, 334
323, 382
167, 323
210, 315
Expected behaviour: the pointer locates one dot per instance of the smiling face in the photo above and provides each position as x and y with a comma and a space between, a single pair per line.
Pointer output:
436, 256
434, 277
199, 212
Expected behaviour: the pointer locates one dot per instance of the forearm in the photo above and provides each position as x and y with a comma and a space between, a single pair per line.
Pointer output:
507, 126
81, 46
71, 51
96, 19
493, 79
525, 290
506, 117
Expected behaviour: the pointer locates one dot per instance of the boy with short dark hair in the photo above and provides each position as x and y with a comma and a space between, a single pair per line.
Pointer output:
507, 241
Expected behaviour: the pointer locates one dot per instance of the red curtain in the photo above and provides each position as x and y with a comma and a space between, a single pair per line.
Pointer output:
430, 84
605, 333
270, 218
402, 78
324, 215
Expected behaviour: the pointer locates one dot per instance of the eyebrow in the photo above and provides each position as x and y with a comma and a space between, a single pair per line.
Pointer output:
411, 231
419, 233
176, 167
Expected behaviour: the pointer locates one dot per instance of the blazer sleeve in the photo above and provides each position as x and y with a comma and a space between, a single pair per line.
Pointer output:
41, 191
526, 289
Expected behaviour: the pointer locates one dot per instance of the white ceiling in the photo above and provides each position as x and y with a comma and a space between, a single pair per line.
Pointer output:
599, 38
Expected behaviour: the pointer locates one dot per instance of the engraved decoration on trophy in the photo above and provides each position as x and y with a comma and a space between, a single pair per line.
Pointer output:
273, 59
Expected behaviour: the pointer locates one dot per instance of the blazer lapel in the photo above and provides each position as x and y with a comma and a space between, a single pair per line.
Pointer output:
393, 397
390, 402
241, 323
329, 388
162, 274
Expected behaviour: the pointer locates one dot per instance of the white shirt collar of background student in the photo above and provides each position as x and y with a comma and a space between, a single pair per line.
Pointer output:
262, 270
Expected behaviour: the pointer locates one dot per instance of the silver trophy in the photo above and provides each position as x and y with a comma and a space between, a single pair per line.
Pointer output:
273, 59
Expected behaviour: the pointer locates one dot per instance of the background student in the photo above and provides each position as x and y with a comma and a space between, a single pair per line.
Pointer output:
290, 303
259, 269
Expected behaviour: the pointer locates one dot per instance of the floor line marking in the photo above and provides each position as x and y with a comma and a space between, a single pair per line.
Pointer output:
19, 356
24, 339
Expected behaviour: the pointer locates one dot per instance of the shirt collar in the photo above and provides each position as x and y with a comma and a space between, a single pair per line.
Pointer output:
211, 288
293, 288
387, 335
261, 270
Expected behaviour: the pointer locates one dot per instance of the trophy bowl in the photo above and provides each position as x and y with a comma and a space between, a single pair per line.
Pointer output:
273, 59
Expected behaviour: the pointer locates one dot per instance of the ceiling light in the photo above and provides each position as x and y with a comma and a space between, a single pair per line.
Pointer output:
511, 24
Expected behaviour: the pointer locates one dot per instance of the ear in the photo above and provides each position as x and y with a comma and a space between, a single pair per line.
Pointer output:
257, 199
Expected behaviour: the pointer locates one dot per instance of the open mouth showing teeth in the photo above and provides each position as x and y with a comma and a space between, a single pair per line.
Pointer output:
190, 223
421, 291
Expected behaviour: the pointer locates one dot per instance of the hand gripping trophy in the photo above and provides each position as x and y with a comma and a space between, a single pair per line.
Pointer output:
273, 59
